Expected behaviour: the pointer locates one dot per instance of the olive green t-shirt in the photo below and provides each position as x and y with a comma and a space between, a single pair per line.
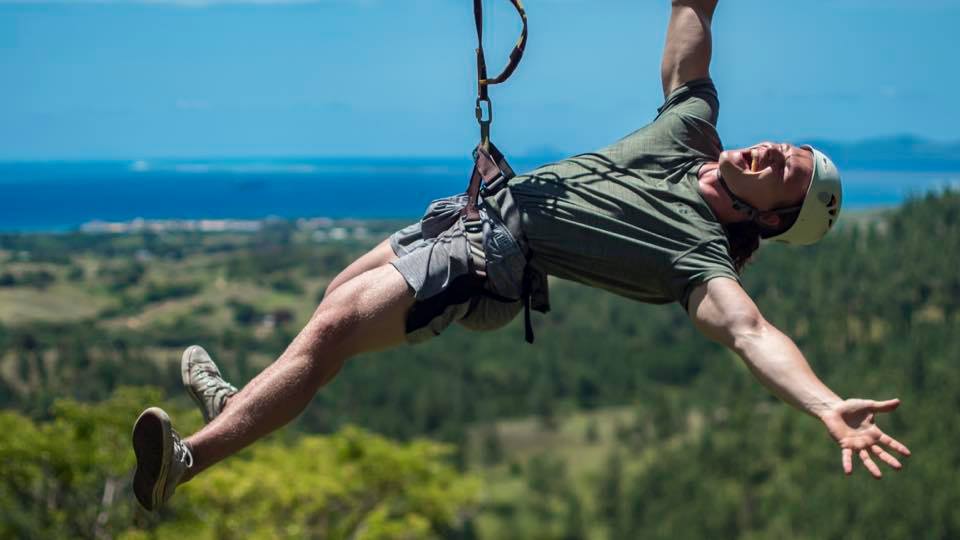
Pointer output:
629, 218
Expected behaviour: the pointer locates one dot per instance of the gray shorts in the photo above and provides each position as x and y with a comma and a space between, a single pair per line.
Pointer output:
470, 273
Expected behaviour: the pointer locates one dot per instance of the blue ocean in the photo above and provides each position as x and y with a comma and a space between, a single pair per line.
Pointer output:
61, 196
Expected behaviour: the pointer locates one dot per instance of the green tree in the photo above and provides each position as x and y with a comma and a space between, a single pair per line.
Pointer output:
70, 478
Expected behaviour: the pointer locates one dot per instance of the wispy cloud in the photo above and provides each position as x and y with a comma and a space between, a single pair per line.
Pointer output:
212, 3
187, 3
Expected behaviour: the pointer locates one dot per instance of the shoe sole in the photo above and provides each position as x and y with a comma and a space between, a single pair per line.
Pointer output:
151, 432
187, 383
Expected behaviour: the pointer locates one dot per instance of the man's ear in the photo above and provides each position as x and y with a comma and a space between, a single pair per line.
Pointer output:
770, 220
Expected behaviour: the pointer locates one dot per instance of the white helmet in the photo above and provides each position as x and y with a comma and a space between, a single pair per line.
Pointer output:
821, 206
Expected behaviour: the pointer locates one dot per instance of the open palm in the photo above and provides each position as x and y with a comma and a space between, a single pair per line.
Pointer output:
852, 423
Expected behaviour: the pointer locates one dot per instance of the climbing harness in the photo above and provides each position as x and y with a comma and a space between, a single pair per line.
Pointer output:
490, 169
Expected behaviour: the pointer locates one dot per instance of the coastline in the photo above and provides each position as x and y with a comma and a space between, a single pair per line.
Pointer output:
238, 196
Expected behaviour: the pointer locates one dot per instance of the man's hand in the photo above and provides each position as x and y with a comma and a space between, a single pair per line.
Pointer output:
852, 423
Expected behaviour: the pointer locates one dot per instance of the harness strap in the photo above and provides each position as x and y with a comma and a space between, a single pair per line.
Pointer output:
490, 167
515, 55
527, 323
484, 110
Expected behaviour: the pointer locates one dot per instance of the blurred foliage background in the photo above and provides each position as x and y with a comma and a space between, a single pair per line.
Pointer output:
621, 422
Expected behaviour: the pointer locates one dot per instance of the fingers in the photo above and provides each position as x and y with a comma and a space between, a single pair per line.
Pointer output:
886, 458
885, 406
870, 465
887, 440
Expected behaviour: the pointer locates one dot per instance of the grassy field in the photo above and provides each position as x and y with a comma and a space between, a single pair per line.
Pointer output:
576, 447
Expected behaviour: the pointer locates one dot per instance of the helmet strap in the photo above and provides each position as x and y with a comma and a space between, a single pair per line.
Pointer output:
752, 212
738, 204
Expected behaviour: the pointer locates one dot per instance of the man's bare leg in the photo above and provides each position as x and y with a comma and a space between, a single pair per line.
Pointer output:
379, 256
363, 314
375, 258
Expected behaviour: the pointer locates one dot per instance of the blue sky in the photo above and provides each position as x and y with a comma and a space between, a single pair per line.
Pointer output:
133, 79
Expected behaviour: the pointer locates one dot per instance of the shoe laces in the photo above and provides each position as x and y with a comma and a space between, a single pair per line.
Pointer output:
213, 382
181, 452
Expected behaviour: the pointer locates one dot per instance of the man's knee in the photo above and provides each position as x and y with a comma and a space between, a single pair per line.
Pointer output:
365, 314
330, 326
319, 348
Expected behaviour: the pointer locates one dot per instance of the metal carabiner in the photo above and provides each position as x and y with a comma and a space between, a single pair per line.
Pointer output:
484, 115
484, 118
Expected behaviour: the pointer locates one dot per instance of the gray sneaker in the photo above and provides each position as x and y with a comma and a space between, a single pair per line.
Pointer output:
162, 458
204, 383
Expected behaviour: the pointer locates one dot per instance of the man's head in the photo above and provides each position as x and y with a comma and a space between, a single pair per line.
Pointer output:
793, 192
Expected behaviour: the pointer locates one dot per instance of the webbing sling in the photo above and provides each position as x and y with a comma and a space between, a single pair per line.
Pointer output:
489, 164
483, 83
490, 168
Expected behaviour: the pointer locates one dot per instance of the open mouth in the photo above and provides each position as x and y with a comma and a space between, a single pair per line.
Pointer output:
750, 160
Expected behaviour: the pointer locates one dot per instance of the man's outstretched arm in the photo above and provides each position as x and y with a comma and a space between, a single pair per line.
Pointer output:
687, 53
723, 311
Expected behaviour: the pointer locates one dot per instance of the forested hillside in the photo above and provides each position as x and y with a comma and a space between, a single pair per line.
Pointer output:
621, 422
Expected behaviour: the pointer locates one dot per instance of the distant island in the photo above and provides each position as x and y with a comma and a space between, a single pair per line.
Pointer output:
898, 153
889, 153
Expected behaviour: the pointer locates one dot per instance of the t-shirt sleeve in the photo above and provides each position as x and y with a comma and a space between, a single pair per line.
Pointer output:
708, 260
696, 99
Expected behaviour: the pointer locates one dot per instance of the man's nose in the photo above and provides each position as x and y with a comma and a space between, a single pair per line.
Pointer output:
773, 155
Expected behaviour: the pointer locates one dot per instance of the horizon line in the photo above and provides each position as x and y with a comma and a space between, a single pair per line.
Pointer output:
551, 153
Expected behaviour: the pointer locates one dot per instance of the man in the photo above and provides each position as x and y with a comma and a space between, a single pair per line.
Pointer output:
663, 215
